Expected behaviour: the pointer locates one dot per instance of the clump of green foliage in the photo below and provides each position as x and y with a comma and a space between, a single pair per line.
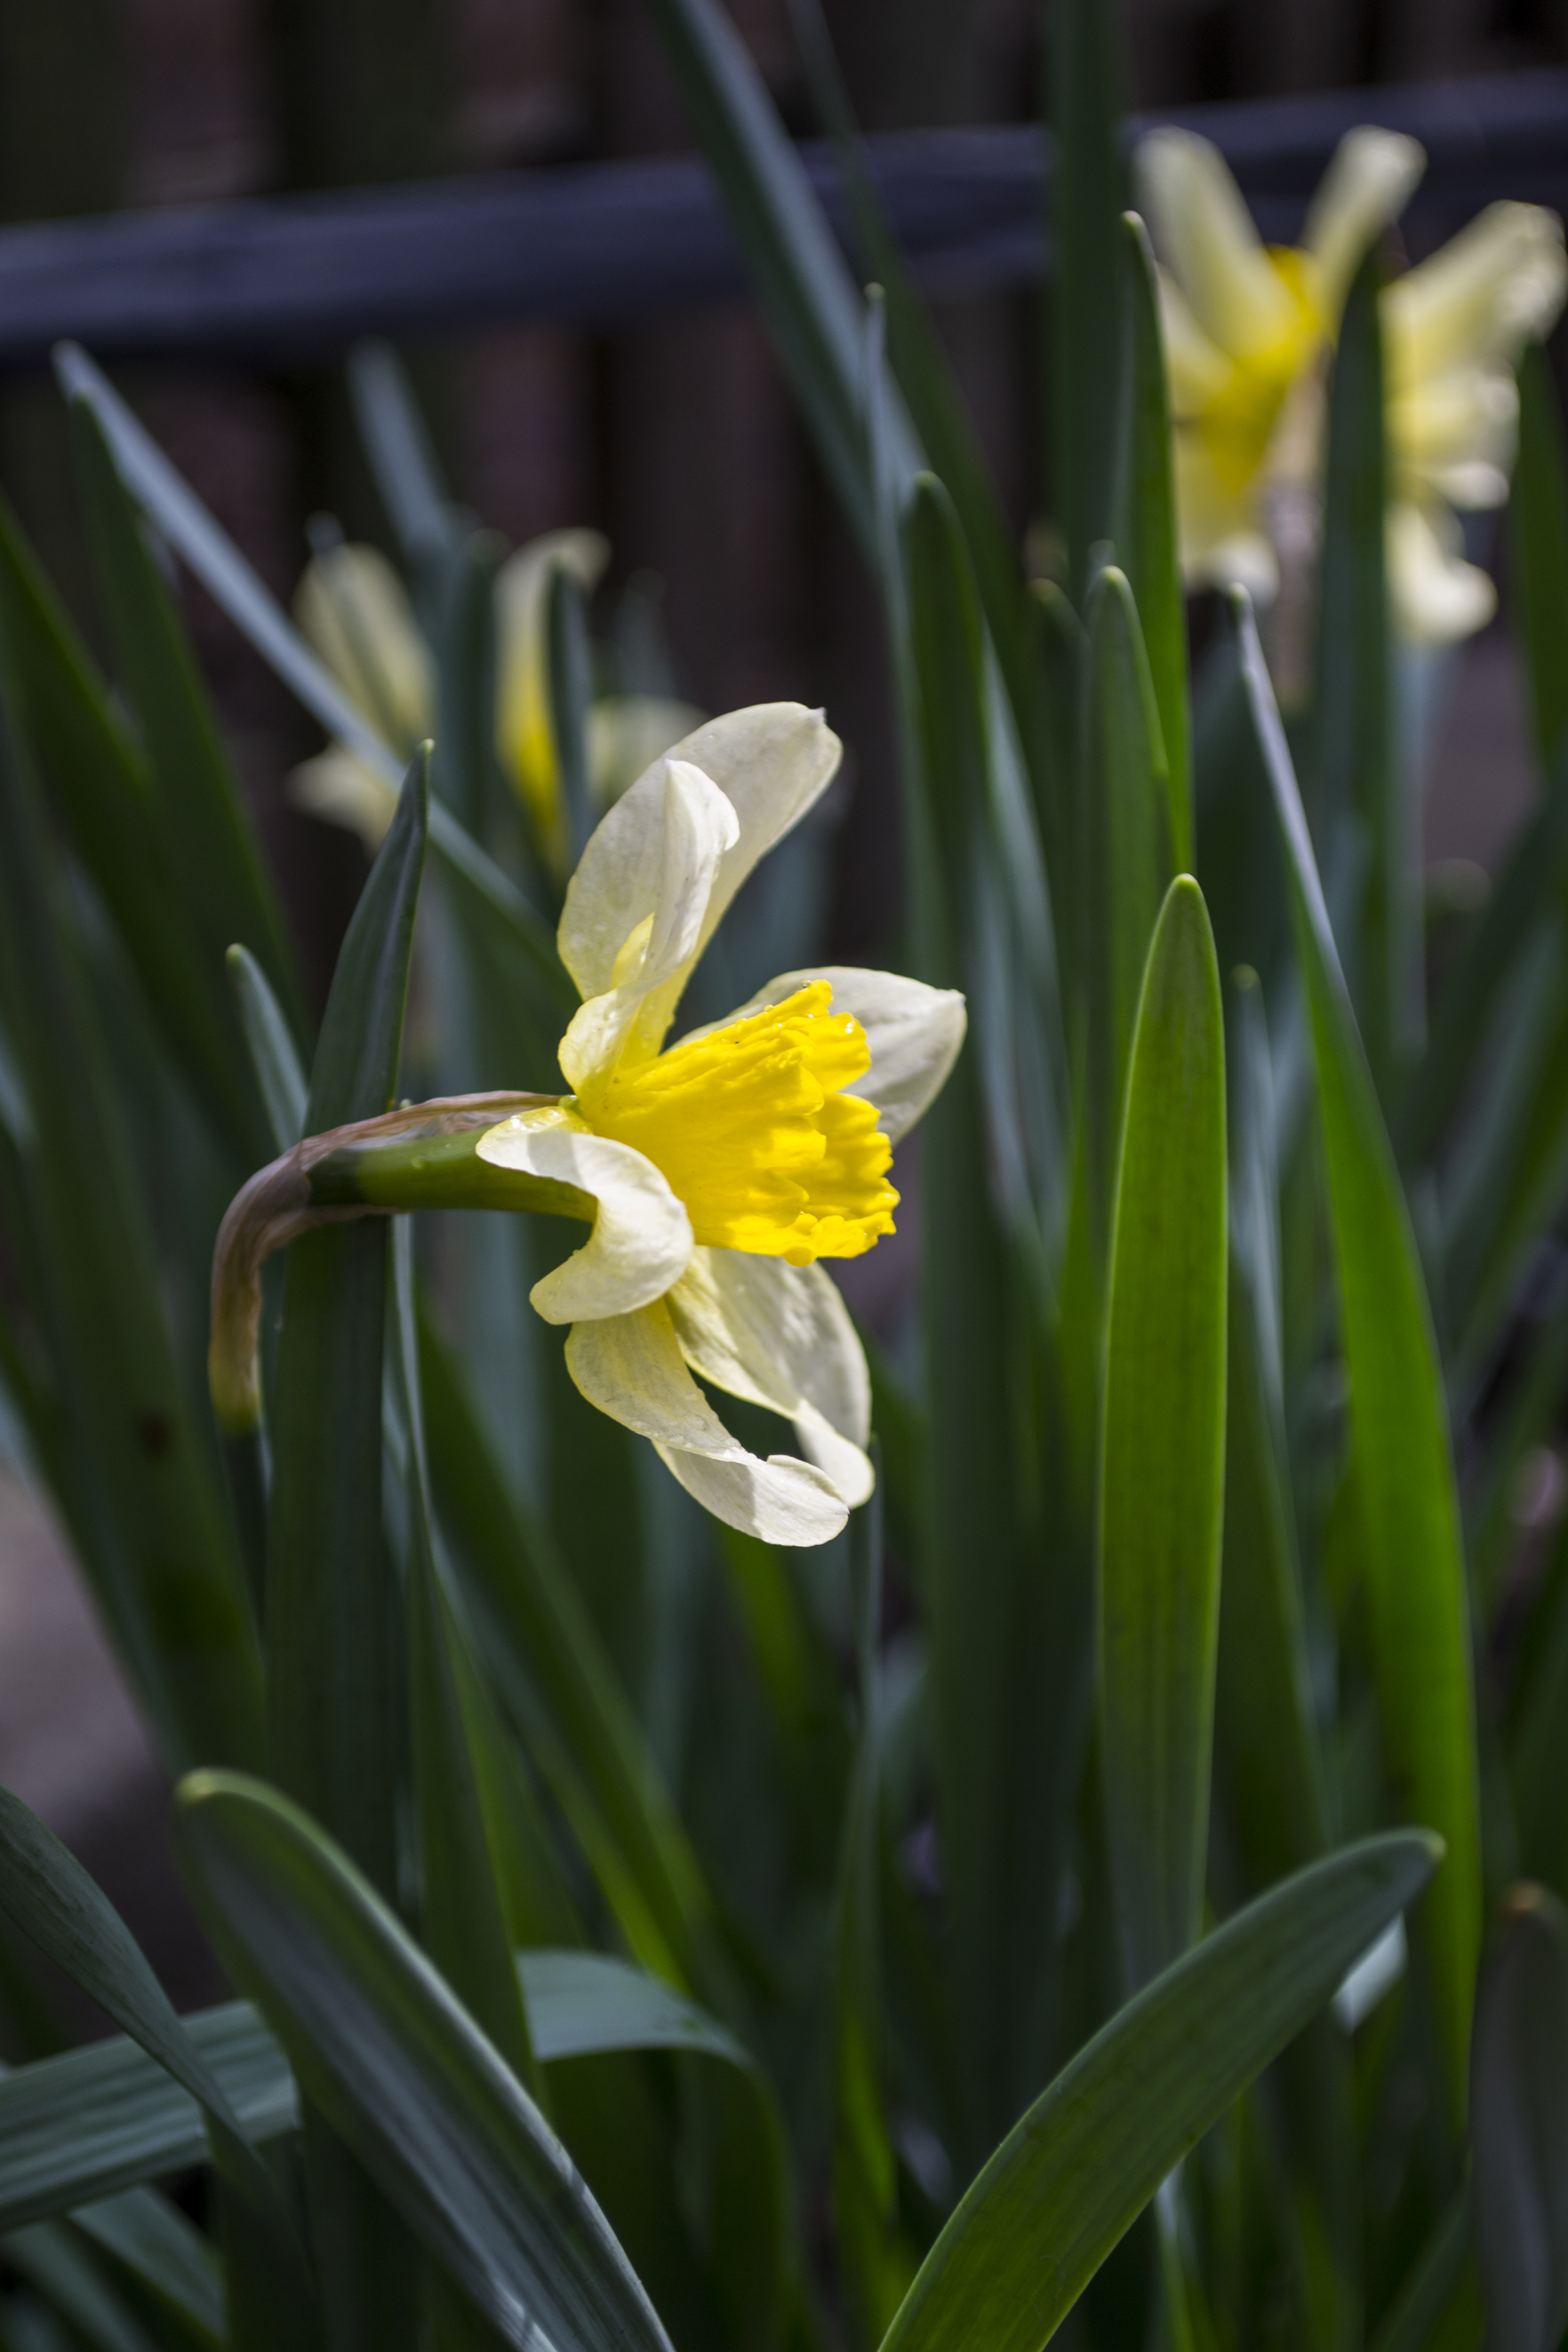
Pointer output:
644, 1936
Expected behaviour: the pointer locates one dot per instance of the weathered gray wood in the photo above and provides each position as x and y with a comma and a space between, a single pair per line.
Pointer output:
607, 244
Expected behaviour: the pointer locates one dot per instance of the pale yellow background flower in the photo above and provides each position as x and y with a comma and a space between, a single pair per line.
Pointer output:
1248, 331
524, 739
1453, 329
355, 611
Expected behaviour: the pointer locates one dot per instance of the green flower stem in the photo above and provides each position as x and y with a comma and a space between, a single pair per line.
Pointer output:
437, 1172
425, 1156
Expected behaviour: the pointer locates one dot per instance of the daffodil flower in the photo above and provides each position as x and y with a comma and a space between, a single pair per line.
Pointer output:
1247, 330
716, 1173
1454, 328
352, 608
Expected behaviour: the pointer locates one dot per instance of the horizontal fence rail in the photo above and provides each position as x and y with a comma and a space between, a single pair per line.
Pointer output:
268, 281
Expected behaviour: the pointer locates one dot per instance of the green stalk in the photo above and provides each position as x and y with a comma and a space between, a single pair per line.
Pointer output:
437, 1171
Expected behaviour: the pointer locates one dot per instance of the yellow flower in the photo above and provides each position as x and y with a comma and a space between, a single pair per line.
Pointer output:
726, 1166
714, 1174
1247, 330
353, 610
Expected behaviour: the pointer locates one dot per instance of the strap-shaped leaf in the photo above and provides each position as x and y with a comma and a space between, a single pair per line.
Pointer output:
1358, 813
1529, 893
78, 2128
225, 891
1145, 527
1126, 855
1538, 523
137, 1475
397, 444
330, 1673
152, 2239
274, 1057
405, 2075
552, 1672
65, 2271
1078, 2170
1088, 190
1163, 1451
1402, 1454
50, 1895
921, 366
1519, 2124
874, 2261
800, 275
484, 894
333, 1681
96, 2121
462, 1921
1008, 1584
99, 781
1274, 1783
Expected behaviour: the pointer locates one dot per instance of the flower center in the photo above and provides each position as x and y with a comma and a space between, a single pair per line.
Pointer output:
749, 1128
1236, 423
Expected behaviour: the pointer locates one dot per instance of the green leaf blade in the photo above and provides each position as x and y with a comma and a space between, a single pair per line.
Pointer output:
1145, 532
1163, 1444
225, 891
1088, 195
1519, 2096
1402, 1448
406, 2077
1075, 2173
1538, 519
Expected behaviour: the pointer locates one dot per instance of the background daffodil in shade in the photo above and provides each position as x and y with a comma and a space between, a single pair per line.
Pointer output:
726, 1167
1248, 331
355, 611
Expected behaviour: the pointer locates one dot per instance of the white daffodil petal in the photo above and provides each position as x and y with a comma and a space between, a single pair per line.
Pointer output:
633, 1369
1480, 298
1204, 233
342, 790
1438, 598
781, 1335
622, 874
771, 763
1458, 431
781, 1500
913, 1033
641, 1237
353, 610
1195, 368
1365, 187
658, 883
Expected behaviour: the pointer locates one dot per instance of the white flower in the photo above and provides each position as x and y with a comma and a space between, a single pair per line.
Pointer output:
726, 1166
